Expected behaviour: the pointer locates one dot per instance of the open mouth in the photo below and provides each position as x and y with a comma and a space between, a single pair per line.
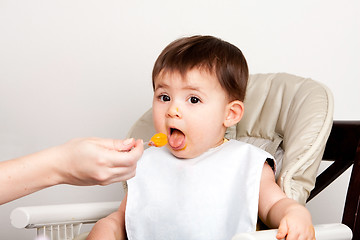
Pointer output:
176, 139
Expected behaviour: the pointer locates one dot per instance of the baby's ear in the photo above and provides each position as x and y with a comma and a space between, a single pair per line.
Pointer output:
234, 113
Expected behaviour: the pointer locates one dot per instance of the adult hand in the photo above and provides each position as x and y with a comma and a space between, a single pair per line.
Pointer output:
86, 161
95, 161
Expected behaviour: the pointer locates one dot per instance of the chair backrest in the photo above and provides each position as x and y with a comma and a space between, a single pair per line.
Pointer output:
343, 148
286, 115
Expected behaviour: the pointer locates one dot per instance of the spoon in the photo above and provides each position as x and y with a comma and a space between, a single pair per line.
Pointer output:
158, 140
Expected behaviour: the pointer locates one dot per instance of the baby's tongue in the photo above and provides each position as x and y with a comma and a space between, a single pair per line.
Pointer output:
177, 139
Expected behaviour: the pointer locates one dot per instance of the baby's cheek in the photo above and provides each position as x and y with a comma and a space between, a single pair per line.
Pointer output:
159, 125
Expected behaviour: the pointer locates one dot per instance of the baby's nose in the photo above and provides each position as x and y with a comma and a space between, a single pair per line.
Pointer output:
173, 111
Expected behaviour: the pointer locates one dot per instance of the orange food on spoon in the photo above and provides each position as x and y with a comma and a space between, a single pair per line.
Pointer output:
158, 140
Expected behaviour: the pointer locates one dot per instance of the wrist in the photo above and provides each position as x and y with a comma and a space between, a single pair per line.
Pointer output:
54, 166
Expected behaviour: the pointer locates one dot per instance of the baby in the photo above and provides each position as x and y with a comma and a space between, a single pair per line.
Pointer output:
201, 185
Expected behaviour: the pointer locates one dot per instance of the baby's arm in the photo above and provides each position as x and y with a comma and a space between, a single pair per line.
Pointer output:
112, 226
278, 211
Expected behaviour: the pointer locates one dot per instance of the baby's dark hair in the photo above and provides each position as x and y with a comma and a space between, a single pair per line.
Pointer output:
206, 53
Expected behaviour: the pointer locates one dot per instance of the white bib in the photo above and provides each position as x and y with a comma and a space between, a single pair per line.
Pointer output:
213, 196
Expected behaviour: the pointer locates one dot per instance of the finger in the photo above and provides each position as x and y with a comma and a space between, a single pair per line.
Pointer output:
122, 178
137, 150
309, 233
312, 232
125, 158
283, 230
124, 165
115, 144
123, 145
119, 175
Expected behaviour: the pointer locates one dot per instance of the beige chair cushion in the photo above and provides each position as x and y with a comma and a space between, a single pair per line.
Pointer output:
299, 112
286, 115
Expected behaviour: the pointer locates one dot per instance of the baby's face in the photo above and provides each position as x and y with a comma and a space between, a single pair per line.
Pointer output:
191, 111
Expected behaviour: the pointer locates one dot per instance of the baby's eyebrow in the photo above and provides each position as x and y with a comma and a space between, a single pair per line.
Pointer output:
161, 85
186, 87
189, 87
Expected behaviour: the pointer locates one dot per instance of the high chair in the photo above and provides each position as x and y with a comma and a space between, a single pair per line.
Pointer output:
286, 115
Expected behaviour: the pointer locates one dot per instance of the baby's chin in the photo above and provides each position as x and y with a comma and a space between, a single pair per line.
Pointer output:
184, 153
191, 151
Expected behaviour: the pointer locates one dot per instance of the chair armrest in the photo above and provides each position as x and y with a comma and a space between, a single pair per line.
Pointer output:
336, 231
39, 216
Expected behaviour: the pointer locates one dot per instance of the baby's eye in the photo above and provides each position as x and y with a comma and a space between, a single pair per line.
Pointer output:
194, 100
164, 98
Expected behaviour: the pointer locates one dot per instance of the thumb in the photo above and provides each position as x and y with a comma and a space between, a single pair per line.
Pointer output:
283, 229
116, 144
123, 145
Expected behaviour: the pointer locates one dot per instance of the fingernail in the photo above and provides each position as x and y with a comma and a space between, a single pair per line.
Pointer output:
128, 141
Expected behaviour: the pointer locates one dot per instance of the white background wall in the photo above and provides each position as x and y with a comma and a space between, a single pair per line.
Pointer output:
74, 68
